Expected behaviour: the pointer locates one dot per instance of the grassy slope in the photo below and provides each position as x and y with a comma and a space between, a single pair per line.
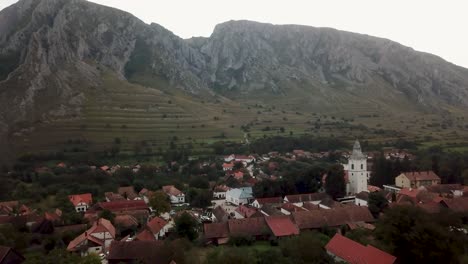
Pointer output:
135, 113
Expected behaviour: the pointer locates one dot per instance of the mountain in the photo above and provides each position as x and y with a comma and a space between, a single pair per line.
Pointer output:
80, 63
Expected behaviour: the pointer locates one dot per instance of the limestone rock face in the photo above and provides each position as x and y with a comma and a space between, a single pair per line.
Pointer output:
251, 56
51, 50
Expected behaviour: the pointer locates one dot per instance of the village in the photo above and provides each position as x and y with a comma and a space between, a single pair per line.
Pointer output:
131, 224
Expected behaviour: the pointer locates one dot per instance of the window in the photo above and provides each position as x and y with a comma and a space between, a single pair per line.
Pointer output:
362, 166
352, 166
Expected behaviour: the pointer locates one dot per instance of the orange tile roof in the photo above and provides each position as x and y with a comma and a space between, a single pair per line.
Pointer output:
282, 226
156, 224
145, 235
171, 190
355, 253
76, 199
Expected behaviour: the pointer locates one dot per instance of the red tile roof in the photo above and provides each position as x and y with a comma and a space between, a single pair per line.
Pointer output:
421, 176
332, 217
139, 252
228, 165
306, 197
245, 211
216, 230
292, 208
269, 200
76, 199
125, 221
111, 196
456, 204
255, 226
171, 190
128, 192
102, 225
156, 224
282, 226
123, 205
145, 235
355, 253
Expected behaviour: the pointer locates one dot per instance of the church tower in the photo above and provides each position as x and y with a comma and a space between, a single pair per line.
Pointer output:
357, 171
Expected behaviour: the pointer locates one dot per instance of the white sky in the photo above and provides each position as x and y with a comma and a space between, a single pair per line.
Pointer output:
434, 26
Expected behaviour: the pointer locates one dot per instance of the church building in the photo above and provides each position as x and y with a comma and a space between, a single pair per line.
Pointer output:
356, 171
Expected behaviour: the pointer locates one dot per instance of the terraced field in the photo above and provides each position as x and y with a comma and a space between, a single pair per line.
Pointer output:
148, 119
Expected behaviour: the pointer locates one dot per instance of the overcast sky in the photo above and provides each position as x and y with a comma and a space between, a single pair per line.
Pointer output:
434, 26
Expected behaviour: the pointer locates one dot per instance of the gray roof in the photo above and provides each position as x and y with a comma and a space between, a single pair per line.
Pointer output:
241, 193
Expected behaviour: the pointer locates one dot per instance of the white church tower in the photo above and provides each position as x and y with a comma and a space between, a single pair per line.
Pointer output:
357, 171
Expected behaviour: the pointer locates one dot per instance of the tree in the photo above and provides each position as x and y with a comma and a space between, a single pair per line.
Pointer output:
465, 177
306, 248
159, 202
335, 185
414, 236
186, 226
377, 203
199, 197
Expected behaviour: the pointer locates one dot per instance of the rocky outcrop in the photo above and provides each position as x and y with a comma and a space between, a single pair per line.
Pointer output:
51, 50
251, 56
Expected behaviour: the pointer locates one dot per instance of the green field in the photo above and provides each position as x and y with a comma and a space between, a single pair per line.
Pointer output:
148, 119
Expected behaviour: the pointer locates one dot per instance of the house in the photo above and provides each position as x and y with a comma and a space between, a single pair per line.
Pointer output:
95, 240
334, 217
219, 215
54, 217
125, 221
416, 179
138, 209
13, 208
238, 196
228, 166
239, 158
288, 208
81, 201
361, 199
456, 204
251, 227
243, 211
219, 192
446, 190
238, 175
145, 235
282, 226
216, 233
128, 193
145, 252
158, 227
346, 250
174, 194
300, 199
111, 196
260, 202
9, 255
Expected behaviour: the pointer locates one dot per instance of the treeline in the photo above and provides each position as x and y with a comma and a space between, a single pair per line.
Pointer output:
281, 144
452, 167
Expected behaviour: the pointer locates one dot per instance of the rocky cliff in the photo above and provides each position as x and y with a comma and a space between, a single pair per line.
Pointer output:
50, 50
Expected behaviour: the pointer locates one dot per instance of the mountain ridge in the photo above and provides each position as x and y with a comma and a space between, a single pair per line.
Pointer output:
52, 51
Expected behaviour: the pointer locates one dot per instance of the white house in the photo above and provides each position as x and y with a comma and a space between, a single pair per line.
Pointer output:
219, 192
96, 240
361, 199
174, 194
239, 196
159, 227
239, 158
356, 170
81, 201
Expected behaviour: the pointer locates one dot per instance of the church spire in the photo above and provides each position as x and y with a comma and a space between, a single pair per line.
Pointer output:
357, 152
